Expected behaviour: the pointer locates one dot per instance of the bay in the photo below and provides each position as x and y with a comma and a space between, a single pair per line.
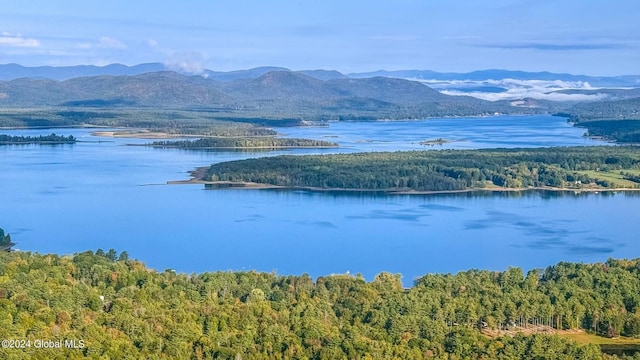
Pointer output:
101, 193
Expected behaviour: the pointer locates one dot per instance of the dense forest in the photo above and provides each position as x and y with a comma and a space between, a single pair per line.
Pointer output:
617, 120
42, 139
622, 131
624, 109
121, 309
178, 122
443, 170
247, 142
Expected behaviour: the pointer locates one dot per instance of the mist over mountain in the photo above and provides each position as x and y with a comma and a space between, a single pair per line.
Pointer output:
495, 74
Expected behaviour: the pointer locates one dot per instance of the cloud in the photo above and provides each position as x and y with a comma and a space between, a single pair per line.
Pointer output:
16, 40
519, 89
552, 46
104, 42
111, 43
152, 43
191, 62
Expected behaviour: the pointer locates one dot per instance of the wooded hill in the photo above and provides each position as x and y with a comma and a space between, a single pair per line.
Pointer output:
276, 94
121, 309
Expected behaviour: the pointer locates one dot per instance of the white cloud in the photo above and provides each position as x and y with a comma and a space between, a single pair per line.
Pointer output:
110, 43
104, 42
187, 62
17, 40
152, 43
519, 89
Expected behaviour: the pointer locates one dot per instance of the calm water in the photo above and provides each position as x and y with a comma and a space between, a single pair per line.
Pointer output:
92, 195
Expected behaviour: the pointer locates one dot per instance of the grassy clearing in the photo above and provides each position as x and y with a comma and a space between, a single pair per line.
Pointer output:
614, 177
586, 338
614, 346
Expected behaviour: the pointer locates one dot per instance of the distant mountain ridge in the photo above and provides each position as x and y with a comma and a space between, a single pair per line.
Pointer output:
495, 74
15, 71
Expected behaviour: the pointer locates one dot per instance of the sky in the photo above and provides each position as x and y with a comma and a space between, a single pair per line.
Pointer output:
570, 36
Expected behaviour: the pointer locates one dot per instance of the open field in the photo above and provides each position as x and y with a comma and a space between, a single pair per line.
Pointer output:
614, 177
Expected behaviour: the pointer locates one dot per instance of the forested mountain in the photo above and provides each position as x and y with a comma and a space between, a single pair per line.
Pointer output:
278, 94
606, 110
617, 120
121, 309
15, 71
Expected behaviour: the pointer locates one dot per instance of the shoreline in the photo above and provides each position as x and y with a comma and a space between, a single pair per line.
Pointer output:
235, 147
198, 173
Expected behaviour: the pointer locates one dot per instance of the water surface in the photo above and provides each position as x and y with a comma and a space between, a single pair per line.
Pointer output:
91, 195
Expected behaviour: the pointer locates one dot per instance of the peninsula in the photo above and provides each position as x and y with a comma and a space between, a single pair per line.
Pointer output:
571, 168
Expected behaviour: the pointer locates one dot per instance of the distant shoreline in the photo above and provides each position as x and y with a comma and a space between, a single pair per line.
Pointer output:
235, 147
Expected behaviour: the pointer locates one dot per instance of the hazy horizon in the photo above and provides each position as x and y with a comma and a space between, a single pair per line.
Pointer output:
598, 39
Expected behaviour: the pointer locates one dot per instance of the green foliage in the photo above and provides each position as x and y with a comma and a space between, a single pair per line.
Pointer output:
624, 109
178, 122
42, 139
121, 309
624, 131
442, 170
252, 142
5, 241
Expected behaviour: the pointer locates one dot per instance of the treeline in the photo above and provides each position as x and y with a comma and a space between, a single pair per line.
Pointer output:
194, 122
121, 309
623, 131
441, 170
246, 142
41, 139
625, 109
617, 120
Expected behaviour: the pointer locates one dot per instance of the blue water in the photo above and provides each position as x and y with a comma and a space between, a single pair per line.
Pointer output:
91, 195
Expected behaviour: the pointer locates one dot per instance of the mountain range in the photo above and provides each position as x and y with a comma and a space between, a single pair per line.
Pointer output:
273, 92
15, 71
283, 91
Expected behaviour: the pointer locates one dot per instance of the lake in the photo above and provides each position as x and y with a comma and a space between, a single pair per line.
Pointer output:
100, 193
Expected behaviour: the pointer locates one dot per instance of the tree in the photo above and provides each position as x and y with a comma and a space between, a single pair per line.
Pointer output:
5, 241
111, 255
124, 256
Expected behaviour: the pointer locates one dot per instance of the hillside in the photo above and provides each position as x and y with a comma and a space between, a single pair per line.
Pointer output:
275, 94
117, 308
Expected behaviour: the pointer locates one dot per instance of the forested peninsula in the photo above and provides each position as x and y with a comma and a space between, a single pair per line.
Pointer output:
52, 139
121, 309
244, 143
601, 167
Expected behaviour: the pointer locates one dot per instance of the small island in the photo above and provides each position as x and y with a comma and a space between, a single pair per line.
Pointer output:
433, 142
51, 139
558, 168
243, 143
